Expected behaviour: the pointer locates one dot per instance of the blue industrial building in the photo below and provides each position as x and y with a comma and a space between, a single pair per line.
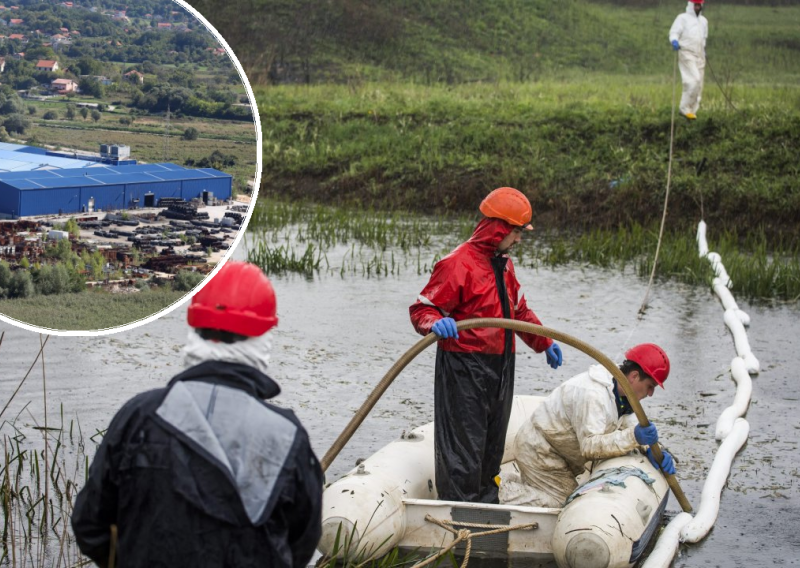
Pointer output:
99, 187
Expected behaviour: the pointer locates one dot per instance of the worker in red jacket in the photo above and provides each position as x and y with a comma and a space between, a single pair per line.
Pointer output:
474, 376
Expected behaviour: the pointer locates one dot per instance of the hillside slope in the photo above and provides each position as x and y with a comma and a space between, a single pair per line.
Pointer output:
454, 41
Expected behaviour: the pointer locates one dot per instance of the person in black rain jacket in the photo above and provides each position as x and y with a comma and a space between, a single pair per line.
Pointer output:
204, 473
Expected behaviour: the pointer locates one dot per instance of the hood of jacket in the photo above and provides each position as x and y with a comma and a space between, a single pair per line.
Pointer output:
234, 375
488, 234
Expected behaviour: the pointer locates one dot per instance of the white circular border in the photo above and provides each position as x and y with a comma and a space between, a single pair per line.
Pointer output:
239, 236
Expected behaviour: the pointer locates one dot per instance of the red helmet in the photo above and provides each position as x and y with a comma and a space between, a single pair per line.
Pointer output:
238, 299
696, 1
510, 205
652, 359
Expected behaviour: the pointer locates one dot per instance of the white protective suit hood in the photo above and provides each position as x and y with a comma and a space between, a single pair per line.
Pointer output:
254, 351
690, 31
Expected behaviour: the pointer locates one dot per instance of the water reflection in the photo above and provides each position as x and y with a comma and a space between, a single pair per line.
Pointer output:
338, 336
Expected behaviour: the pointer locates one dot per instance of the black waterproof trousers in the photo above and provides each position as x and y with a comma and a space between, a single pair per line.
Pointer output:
473, 393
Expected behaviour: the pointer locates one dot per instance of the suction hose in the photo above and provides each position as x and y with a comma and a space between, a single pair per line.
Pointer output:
513, 325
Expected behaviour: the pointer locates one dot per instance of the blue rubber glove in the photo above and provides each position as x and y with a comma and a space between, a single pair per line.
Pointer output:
445, 328
675, 45
667, 464
646, 435
554, 357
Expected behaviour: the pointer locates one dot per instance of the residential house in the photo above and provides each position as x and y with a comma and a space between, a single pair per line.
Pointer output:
134, 76
15, 22
63, 86
18, 37
164, 26
47, 65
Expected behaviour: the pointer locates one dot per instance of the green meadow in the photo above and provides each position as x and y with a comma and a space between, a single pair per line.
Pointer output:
91, 310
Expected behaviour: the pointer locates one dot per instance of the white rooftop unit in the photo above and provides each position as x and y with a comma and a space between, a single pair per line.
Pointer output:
117, 151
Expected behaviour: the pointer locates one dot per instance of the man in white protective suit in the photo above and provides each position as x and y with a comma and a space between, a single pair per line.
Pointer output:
688, 36
586, 418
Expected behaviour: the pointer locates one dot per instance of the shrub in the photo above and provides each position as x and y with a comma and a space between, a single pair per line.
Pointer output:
185, 280
21, 285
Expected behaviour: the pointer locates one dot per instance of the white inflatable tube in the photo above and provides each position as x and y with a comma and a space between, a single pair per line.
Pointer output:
719, 268
730, 428
741, 342
728, 302
702, 244
744, 390
706, 515
668, 542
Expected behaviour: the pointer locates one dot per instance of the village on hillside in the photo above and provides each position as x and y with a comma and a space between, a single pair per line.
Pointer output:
127, 147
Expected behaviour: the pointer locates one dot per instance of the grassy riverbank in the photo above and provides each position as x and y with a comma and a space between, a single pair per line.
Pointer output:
88, 310
589, 152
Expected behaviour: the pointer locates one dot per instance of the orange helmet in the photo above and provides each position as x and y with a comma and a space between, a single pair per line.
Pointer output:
652, 359
238, 299
510, 205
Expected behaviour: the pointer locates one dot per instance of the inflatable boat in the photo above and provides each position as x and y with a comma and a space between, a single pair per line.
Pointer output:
389, 501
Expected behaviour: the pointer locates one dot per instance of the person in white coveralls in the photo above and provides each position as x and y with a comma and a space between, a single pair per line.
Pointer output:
688, 36
586, 418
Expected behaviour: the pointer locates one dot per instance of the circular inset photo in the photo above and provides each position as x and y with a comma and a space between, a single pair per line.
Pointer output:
129, 161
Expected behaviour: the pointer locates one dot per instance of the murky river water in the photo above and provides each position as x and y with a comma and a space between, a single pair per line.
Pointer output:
337, 337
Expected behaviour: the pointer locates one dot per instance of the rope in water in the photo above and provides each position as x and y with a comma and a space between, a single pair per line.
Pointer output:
463, 534
666, 196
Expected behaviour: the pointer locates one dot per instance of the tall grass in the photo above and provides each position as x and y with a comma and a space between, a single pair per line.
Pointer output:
37, 489
313, 239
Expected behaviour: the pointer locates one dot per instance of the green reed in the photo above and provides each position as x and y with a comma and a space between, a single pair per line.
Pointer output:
36, 501
312, 238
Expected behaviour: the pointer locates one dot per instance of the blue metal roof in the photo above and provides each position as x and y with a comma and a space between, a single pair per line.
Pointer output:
12, 147
105, 175
11, 161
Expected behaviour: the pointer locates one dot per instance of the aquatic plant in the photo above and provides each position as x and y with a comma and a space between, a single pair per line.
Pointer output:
37, 489
312, 238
